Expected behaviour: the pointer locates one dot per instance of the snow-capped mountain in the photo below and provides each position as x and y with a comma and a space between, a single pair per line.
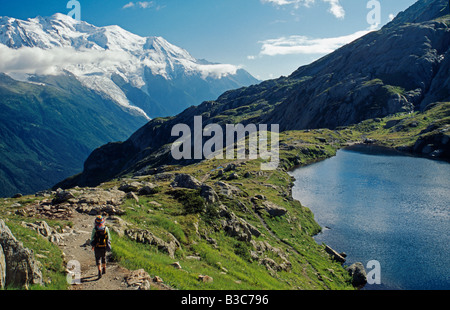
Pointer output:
68, 87
145, 75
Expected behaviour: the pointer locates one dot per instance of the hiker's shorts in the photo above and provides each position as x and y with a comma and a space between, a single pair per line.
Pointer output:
100, 255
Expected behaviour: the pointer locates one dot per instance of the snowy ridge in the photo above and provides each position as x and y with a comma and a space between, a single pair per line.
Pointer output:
52, 45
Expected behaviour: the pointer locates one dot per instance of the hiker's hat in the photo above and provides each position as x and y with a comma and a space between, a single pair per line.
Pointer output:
99, 220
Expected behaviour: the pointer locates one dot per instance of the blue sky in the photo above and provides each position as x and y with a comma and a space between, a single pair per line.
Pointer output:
268, 38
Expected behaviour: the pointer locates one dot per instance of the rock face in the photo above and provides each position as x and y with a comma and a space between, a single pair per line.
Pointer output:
403, 67
20, 267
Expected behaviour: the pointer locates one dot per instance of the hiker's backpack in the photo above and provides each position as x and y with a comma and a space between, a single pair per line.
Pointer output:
101, 239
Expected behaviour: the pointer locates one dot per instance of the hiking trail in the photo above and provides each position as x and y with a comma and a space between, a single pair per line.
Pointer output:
76, 248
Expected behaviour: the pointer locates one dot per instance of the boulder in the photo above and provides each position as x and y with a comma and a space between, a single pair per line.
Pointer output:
233, 176
133, 196
62, 196
205, 279
209, 194
358, 274
130, 187
237, 227
186, 181
273, 209
148, 189
139, 279
21, 267
227, 189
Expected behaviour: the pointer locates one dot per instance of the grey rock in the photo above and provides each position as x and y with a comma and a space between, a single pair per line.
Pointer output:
233, 176
62, 196
45, 231
209, 194
147, 237
358, 274
130, 187
148, 189
186, 181
227, 189
2, 269
237, 227
273, 209
133, 196
21, 267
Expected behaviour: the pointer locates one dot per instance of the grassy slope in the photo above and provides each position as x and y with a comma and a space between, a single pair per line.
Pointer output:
230, 262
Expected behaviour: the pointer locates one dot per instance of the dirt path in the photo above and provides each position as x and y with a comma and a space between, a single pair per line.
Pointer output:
77, 249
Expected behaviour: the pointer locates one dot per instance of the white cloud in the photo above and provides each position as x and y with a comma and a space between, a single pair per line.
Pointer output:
33, 60
335, 7
305, 45
128, 5
217, 71
141, 4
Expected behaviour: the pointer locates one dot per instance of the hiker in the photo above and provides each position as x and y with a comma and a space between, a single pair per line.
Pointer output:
100, 242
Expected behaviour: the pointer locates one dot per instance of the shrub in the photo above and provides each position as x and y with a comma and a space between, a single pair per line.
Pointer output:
191, 200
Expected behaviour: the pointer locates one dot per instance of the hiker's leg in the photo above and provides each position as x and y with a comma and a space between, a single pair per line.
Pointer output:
98, 258
102, 266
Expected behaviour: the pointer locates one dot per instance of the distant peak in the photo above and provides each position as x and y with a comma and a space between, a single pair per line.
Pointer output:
422, 11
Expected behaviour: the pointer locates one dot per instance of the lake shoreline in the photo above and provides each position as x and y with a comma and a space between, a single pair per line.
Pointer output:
366, 149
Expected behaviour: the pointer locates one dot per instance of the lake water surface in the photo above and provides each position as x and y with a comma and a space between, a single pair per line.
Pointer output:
383, 206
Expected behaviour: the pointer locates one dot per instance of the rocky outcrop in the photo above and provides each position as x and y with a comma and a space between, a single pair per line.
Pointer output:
235, 226
358, 274
20, 267
43, 229
209, 194
227, 189
435, 145
186, 181
273, 209
141, 280
62, 196
147, 237
264, 253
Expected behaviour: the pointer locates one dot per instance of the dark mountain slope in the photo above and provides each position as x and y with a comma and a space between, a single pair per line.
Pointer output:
48, 131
